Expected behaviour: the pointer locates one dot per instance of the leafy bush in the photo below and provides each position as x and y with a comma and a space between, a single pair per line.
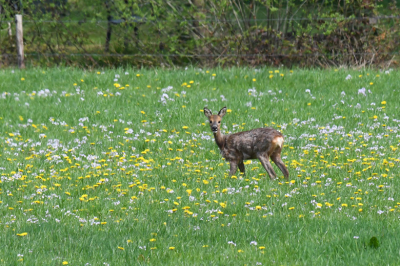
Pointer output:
225, 32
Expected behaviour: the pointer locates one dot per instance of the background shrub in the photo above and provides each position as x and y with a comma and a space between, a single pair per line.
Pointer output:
205, 33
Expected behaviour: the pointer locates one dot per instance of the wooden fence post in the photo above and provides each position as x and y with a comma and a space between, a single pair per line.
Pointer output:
20, 41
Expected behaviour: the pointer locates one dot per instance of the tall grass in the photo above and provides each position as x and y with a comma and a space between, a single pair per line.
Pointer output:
119, 167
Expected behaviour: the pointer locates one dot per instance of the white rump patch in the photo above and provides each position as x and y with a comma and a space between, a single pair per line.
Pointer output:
278, 141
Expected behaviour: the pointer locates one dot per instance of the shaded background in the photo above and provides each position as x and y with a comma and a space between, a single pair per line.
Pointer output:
96, 33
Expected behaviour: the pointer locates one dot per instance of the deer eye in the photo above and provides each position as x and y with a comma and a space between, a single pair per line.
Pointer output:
210, 121
219, 122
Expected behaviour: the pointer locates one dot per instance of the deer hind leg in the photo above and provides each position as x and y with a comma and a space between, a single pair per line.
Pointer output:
264, 159
233, 166
241, 167
276, 158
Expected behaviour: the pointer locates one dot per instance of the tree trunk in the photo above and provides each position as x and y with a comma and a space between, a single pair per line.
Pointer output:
200, 29
109, 29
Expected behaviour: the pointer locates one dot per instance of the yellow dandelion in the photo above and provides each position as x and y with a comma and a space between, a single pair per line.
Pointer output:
22, 234
171, 248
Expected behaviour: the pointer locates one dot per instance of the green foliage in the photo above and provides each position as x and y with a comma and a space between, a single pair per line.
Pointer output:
229, 32
374, 242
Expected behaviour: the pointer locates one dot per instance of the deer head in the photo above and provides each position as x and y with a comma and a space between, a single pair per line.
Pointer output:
215, 120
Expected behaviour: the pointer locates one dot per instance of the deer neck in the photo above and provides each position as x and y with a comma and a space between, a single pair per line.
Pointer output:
219, 139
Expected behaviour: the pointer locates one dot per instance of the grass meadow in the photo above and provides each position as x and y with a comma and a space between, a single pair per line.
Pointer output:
119, 167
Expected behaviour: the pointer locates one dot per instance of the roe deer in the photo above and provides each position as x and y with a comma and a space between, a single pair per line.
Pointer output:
260, 143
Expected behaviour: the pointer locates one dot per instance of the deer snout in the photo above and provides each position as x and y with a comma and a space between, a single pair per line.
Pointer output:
214, 128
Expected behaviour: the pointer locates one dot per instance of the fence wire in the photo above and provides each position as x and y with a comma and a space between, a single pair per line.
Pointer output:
199, 55
144, 20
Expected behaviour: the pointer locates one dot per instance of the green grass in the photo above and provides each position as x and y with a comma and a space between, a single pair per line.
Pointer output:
97, 172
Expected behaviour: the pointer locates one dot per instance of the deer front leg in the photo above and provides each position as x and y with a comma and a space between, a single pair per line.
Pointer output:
233, 166
264, 159
241, 167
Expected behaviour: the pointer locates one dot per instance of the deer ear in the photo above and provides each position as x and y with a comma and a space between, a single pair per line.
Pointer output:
222, 112
207, 112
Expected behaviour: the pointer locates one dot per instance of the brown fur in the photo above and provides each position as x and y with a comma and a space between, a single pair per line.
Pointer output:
259, 143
